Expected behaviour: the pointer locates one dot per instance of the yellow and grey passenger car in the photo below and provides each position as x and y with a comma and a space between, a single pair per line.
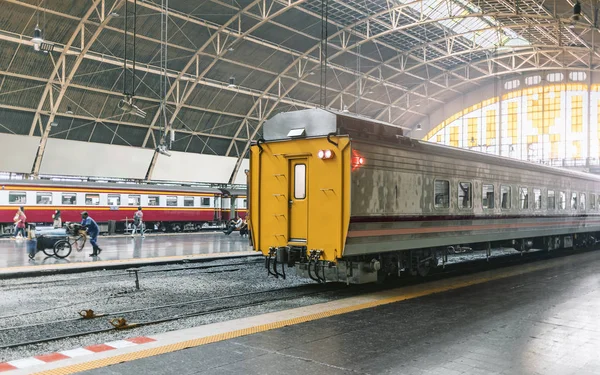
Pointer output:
348, 199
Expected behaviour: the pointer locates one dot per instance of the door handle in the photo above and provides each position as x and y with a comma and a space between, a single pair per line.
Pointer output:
291, 201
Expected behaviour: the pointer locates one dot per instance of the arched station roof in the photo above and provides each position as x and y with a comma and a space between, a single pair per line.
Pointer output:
391, 60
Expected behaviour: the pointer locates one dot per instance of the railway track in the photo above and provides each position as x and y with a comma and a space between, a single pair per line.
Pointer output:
13, 337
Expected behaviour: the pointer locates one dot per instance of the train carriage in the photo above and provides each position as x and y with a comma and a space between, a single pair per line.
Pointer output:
166, 207
348, 199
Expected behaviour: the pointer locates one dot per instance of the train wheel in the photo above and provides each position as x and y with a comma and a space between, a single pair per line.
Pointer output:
423, 269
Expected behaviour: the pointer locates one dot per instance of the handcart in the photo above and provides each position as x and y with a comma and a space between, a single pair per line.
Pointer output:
59, 242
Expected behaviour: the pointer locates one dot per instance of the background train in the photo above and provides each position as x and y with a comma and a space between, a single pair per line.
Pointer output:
166, 208
347, 199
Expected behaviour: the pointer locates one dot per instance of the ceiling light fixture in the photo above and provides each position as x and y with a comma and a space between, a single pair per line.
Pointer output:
37, 38
69, 110
127, 106
418, 128
231, 82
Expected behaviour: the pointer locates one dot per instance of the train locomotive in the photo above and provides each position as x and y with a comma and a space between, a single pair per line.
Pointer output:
347, 199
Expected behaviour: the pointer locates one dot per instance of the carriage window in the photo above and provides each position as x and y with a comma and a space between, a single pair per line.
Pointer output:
44, 198
69, 199
562, 200
487, 196
171, 201
153, 200
465, 195
573, 201
441, 193
504, 197
245, 203
551, 200
523, 199
188, 201
592, 201
537, 199
133, 200
17, 197
92, 199
582, 201
300, 181
114, 199
205, 202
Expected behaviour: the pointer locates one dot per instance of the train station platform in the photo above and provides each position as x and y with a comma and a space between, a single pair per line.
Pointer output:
122, 251
536, 318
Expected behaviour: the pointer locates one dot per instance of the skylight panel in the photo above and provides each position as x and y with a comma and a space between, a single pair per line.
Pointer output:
481, 31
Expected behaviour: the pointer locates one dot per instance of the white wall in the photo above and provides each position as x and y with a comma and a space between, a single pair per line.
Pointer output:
73, 158
17, 152
240, 179
188, 167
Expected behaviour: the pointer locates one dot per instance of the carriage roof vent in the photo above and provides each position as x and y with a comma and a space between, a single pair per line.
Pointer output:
297, 133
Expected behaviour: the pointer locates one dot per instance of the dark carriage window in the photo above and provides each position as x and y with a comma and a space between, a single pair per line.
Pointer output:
44, 198
188, 201
69, 199
441, 193
153, 200
17, 197
562, 200
465, 195
504, 197
573, 201
92, 199
171, 201
523, 198
537, 199
114, 200
551, 200
205, 202
487, 196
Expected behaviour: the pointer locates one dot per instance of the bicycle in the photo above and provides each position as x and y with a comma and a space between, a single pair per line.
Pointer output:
75, 236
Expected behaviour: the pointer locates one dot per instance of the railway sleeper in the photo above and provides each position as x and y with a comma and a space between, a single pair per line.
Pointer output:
417, 262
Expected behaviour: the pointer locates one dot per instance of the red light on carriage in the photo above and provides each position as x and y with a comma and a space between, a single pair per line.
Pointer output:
325, 154
357, 160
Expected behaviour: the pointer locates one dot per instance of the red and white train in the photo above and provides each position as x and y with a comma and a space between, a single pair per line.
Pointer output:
165, 207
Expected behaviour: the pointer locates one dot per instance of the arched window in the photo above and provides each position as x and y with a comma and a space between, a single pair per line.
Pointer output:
577, 76
555, 77
511, 85
533, 80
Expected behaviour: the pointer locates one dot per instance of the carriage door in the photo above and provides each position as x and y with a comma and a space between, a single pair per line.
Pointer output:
298, 204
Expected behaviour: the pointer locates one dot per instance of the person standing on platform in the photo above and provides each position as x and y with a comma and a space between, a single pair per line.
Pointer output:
20, 220
138, 222
57, 220
93, 230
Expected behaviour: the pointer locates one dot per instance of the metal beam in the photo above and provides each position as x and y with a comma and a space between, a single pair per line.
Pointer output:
66, 80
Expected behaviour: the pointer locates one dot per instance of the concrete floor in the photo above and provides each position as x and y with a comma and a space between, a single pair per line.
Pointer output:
13, 253
541, 322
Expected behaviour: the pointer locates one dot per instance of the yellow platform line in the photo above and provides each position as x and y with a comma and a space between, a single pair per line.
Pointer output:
387, 297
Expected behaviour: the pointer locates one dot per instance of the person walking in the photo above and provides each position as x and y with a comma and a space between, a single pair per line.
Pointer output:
93, 230
57, 219
138, 222
20, 220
